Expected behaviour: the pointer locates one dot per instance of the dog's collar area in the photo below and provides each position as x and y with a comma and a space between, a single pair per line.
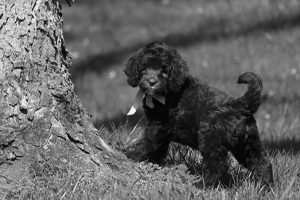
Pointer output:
149, 101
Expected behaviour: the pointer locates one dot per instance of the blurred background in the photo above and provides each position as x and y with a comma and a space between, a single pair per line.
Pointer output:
218, 39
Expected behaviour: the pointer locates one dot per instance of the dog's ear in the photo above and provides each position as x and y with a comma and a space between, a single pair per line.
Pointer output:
178, 71
131, 71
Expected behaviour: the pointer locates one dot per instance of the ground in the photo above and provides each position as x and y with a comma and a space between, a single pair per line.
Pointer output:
219, 40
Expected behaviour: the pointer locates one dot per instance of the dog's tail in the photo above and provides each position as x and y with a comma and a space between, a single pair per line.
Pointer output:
252, 97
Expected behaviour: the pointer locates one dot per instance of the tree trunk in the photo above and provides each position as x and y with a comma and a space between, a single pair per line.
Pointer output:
41, 119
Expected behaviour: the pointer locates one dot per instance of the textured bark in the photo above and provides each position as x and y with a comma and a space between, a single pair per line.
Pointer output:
40, 116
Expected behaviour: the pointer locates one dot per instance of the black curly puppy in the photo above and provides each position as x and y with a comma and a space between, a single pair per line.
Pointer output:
194, 114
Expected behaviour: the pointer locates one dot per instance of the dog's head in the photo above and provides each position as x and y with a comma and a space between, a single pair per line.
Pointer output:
156, 69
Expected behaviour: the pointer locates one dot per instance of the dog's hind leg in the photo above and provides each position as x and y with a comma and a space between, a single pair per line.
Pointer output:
251, 154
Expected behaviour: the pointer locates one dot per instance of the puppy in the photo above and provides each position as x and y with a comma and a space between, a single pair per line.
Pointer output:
183, 109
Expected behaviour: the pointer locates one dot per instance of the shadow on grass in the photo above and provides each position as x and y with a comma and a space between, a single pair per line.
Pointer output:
284, 145
208, 31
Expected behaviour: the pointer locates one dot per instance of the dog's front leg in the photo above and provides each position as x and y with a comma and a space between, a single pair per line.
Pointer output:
153, 146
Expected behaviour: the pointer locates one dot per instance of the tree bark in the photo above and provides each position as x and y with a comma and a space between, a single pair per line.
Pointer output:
41, 119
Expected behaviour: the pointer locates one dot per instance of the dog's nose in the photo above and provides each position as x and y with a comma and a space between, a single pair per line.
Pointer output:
152, 81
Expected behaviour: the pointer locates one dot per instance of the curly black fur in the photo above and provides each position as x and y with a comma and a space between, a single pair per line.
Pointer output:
196, 115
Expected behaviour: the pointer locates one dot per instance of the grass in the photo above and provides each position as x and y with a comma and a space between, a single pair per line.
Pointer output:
219, 40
